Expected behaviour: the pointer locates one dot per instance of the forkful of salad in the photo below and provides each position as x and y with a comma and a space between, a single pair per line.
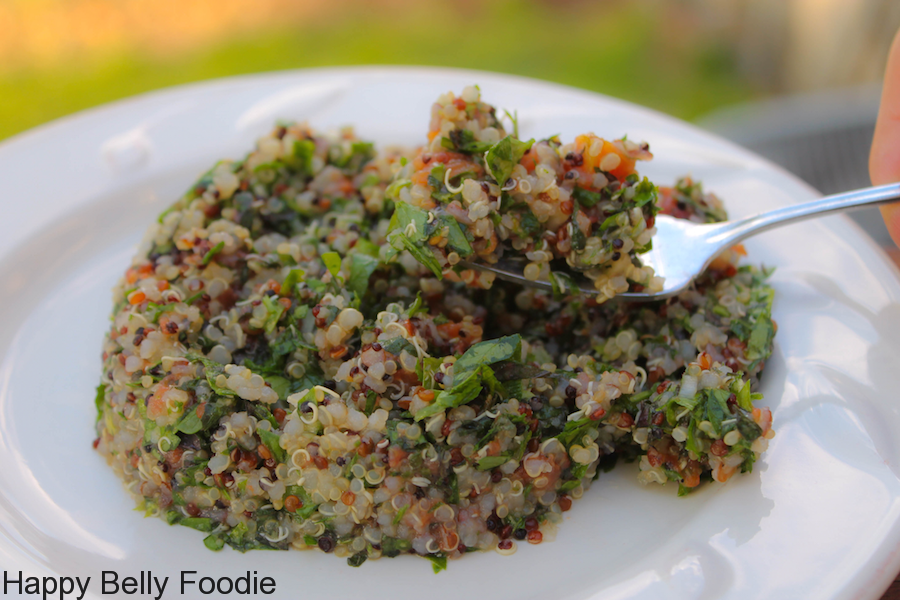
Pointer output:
682, 249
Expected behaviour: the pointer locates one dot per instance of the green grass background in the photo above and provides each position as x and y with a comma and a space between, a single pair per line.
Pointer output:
631, 51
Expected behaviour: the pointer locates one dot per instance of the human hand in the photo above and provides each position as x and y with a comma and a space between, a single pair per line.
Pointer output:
884, 159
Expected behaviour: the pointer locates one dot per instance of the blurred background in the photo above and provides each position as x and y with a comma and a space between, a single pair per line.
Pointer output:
796, 80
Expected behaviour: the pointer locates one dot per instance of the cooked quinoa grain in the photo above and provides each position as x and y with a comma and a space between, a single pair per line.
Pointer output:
294, 361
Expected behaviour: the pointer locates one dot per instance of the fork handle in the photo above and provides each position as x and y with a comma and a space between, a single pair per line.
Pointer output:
736, 231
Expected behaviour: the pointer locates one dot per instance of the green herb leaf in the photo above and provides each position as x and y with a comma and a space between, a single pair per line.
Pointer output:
371, 397
577, 473
609, 221
743, 397
491, 462
692, 443
465, 388
156, 310
276, 310
418, 306
361, 268
399, 516
271, 441
198, 523
357, 559
529, 224
190, 300
214, 542
586, 197
717, 408
190, 423
308, 506
421, 252
360, 153
302, 156
514, 389
211, 253
453, 484
364, 246
456, 237
748, 428
393, 190
292, 279
262, 412
489, 352
503, 157
407, 231
281, 385
397, 345
645, 192
721, 311
436, 182
569, 486
511, 370
100, 400
212, 369
332, 262
578, 239
165, 213
760, 337
562, 283
574, 431
316, 285
438, 563
391, 547
463, 140
472, 372
425, 370
240, 539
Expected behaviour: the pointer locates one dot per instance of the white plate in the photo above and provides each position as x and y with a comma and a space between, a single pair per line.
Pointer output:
818, 518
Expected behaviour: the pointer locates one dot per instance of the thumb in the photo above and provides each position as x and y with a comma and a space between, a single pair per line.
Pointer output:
884, 159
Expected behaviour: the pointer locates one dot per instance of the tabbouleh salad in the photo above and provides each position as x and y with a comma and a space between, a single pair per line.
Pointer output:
297, 360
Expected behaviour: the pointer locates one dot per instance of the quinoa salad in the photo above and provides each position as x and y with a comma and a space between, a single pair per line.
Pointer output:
298, 360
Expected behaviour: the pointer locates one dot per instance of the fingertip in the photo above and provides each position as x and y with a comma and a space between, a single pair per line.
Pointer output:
891, 214
884, 157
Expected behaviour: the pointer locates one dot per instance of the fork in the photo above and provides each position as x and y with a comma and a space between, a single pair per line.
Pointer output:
683, 249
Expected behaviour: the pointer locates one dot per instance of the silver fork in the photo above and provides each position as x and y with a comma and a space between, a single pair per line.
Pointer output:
682, 249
